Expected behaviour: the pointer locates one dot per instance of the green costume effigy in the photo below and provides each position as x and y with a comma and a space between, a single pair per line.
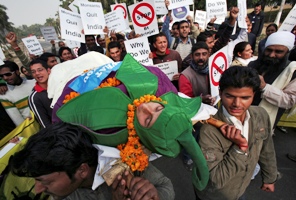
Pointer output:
106, 108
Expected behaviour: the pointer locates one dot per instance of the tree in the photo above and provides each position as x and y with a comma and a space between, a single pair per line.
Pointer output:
5, 25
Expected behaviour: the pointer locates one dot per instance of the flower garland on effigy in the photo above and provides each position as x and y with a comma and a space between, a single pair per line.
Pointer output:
111, 114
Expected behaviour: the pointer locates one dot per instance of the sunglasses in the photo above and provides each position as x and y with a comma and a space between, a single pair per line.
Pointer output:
6, 74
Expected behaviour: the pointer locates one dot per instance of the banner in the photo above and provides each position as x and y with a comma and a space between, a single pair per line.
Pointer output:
71, 25
33, 45
115, 21
179, 3
216, 8
201, 18
121, 7
49, 33
169, 68
139, 49
290, 21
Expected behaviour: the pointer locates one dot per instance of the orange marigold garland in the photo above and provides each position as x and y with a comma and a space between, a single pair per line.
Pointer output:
110, 82
132, 153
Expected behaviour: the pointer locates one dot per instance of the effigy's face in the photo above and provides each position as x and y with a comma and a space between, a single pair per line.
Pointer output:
147, 113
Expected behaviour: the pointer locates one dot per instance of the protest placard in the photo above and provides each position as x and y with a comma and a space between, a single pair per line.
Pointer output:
290, 21
72, 44
2, 56
241, 19
216, 8
201, 18
115, 21
179, 3
33, 45
71, 25
169, 68
92, 16
144, 18
160, 7
121, 7
74, 6
139, 49
179, 14
49, 33
218, 63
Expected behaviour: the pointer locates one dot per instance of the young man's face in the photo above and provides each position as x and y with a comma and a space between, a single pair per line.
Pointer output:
115, 54
184, 30
57, 184
101, 42
161, 45
51, 61
66, 55
39, 73
257, 9
237, 101
12, 78
210, 42
90, 41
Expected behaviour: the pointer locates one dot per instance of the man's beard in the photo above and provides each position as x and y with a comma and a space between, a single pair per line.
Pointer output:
272, 65
201, 64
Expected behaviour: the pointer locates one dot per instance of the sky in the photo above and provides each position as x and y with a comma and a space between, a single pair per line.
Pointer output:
28, 12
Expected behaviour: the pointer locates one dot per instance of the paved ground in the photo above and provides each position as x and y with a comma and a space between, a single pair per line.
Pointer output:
285, 187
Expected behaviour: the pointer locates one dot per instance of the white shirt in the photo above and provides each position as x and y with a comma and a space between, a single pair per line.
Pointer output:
244, 128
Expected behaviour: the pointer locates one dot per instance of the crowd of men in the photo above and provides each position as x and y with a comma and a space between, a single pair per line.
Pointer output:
253, 99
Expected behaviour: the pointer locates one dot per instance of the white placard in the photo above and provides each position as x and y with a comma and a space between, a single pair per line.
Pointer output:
92, 16
49, 33
169, 68
74, 6
290, 21
139, 49
242, 6
218, 63
179, 3
72, 44
201, 18
1, 62
33, 45
216, 8
71, 25
115, 21
144, 18
2, 56
160, 7
181, 13
121, 7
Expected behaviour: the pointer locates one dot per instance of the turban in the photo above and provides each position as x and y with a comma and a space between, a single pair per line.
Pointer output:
284, 38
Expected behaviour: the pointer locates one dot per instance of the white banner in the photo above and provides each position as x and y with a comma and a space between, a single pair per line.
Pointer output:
71, 25
179, 3
169, 68
144, 18
115, 21
242, 6
33, 45
74, 6
216, 8
49, 33
160, 7
201, 18
92, 16
139, 49
121, 7
2, 57
72, 44
290, 21
218, 63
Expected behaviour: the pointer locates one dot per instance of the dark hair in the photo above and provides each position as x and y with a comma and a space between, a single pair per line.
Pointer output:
98, 49
182, 22
45, 56
258, 4
11, 65
86, 36
160, 34
199, 45
22, 68
113, 44
239, 47
203, 36
176, 23
119, 36
62, 49
39, 61
274, 25
60, 147
239, 77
